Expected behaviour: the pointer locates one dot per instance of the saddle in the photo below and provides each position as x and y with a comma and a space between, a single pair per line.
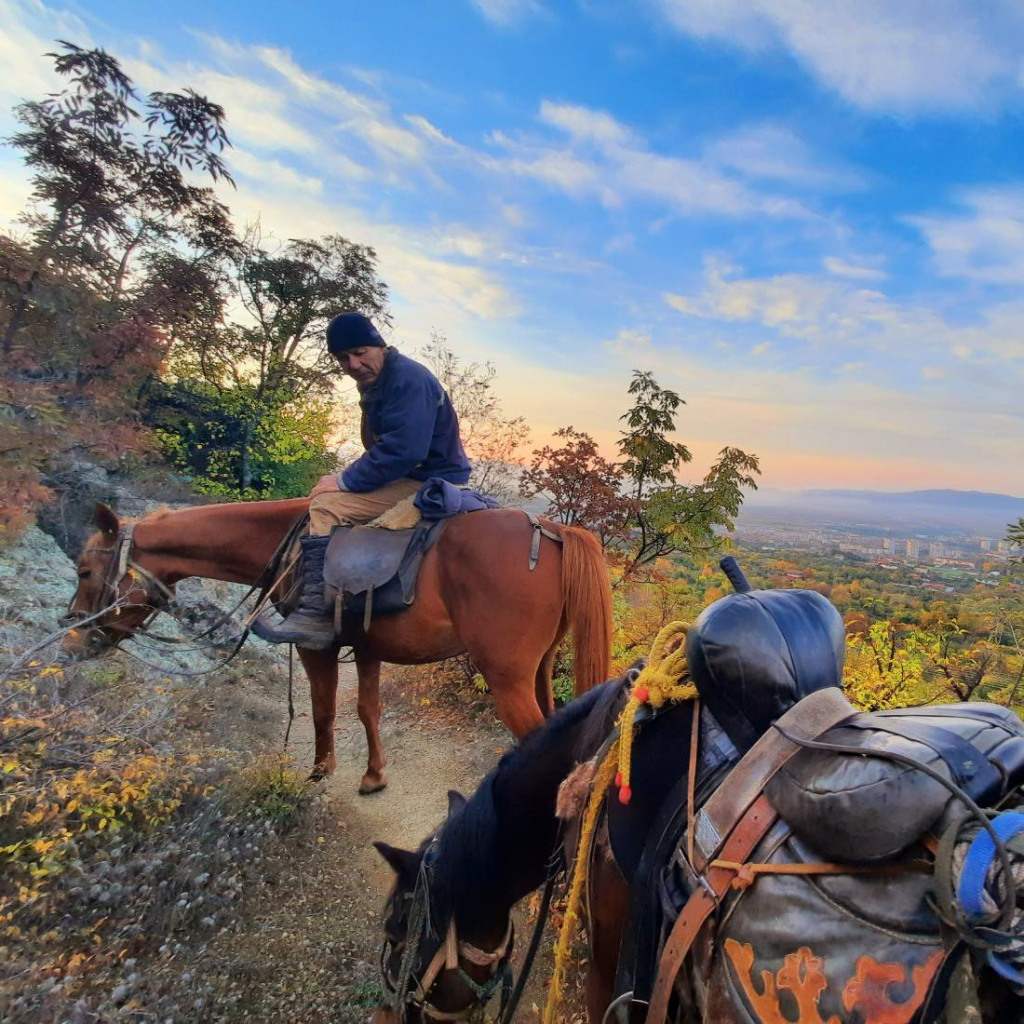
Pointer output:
370, 571
758, 658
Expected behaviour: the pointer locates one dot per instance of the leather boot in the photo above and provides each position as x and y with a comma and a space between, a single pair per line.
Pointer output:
311, 624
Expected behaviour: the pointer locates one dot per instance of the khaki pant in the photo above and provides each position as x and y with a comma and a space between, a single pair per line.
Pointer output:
349, 508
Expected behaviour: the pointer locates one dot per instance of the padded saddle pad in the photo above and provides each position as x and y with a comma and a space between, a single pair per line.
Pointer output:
754, 655
852, 807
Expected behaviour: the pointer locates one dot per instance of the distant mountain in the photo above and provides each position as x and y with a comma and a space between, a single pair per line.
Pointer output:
937, 498
968, 511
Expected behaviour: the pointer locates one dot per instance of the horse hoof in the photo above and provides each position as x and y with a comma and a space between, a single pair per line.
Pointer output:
368, 786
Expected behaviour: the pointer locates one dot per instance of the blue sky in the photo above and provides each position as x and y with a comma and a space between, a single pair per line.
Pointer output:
806, 216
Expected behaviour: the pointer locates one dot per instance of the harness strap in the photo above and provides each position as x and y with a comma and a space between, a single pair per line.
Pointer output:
816, 713
747, 873
538, 530
749, 831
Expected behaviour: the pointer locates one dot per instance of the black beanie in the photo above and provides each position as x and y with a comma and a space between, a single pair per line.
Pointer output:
352, 330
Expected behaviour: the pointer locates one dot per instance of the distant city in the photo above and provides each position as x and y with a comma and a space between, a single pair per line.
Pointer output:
939, 539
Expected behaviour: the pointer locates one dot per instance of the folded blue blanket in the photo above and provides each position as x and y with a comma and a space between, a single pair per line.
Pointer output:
438, 499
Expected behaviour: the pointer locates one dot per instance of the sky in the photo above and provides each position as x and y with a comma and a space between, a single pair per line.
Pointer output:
804, 216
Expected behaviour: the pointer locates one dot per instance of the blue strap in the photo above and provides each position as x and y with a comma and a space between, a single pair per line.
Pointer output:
1004, 969
980, 856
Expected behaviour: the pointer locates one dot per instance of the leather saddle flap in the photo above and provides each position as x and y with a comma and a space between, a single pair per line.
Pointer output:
360, 557
852, 807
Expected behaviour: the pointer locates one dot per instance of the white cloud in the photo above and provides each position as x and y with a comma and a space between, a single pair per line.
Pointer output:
913, 56
273, 172
837, 315
29, 31
508, 12
606, 159
14, 192
774, 153
854, 271
586, 124
985, 242
629, 343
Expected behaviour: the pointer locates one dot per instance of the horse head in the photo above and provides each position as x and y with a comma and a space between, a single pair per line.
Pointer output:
427, 969
115, 597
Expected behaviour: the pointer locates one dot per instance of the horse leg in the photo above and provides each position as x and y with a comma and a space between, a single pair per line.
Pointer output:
609, 908
542, 686
514, 690
322, 669
369, 714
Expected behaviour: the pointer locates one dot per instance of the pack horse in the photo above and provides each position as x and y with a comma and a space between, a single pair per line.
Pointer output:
760, 852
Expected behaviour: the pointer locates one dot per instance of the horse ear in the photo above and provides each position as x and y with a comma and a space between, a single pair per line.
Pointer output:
456, 801
106, 519
404, 863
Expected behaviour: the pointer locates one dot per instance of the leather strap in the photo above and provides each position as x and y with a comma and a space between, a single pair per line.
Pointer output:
970, 770
815, 714
538, 530
749, 831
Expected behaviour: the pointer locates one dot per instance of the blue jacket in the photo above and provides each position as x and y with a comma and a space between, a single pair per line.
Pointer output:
409, 429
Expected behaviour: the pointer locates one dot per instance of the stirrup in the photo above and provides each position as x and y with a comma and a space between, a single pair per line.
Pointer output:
312, 640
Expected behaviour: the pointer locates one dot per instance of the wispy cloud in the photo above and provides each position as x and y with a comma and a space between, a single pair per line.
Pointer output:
912, 56
773, 153
839, 316
630, 342
854, 271
507, 13
984, 242
600, 157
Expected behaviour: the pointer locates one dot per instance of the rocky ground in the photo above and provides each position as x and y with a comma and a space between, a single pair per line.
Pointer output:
222, 919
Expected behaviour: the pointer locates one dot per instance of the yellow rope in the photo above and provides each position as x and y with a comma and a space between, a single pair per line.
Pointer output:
659, 681
563, 947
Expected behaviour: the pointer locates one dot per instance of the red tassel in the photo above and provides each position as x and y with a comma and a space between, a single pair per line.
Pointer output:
642, 694
618, 780
625, 794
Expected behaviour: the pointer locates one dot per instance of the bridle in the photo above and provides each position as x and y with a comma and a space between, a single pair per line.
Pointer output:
409, 991
121, 568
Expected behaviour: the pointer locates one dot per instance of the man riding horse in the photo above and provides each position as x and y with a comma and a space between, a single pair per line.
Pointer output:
410, 432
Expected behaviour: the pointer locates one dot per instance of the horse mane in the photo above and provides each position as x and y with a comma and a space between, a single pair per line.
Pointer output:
467, 848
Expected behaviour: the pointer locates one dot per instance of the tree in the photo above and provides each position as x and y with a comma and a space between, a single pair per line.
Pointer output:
1015, 537
964, 661
584, 489
81, 318
273, 373
491, 439
884, 665
103, 188
667, 516
637, 508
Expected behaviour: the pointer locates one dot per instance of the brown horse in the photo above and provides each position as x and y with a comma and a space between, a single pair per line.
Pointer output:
475, 594
867, 946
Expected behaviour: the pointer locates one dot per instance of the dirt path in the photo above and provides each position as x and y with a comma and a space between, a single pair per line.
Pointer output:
305, 944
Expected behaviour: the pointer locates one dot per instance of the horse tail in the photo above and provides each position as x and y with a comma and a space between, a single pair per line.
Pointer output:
588, 606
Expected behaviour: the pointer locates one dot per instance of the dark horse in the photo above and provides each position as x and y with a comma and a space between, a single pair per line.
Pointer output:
447, 931
475, 593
